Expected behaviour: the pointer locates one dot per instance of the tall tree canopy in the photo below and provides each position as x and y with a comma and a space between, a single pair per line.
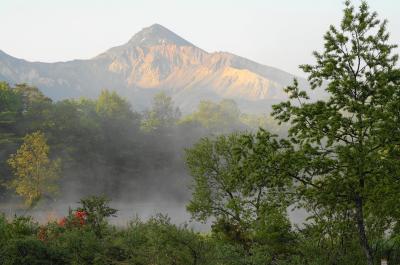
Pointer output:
348, 144
162, 115
239, 182
10, 109
221, 117
110, 105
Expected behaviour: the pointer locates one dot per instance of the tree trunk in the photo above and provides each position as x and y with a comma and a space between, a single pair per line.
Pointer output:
361, 230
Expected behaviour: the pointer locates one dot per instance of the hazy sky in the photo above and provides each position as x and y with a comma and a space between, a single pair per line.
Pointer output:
280, 33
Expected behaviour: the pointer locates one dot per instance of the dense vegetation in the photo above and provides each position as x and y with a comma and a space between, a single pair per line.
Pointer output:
93, 140
339, 163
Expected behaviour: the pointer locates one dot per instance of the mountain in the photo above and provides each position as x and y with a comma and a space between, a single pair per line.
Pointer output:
152, 60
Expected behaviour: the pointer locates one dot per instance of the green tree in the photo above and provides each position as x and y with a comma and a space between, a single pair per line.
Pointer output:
115, 127
238, 181
111, 105
221, 117
35, 108
348, 144
10, 117
10, 114
31, 96
34, 172
9, 99
163, 114
97, 210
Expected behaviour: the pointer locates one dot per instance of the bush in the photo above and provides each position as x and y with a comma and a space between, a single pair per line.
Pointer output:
31, 251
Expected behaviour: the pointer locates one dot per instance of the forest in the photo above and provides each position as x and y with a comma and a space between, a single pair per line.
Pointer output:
337, 159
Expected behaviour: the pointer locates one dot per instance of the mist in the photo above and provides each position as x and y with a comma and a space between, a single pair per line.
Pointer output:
109, 147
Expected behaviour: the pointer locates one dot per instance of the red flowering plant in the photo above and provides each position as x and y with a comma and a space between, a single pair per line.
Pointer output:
92, 215
80, 216
62, 222
75, 219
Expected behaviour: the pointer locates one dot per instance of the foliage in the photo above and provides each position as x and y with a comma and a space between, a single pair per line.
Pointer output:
162, 115
112, 106
339, 163
219, 117
95, 210
34, 252
22, 109
348, 144
34, 172
238, 181
156, 241
98, 138
9, 100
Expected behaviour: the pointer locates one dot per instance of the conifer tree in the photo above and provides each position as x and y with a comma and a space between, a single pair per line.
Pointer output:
348, 144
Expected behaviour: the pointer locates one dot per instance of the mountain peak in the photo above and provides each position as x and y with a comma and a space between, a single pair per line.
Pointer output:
157, 34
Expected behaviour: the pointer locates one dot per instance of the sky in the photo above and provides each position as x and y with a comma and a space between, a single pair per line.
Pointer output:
279, 33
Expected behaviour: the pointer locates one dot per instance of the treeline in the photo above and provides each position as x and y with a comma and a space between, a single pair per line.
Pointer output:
106, 147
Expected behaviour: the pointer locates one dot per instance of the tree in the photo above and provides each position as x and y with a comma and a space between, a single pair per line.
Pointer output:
9, 99
97, 210
163, 114
34, 172
238, 182
348, 144
35, 108
10, 115
10, 110
221, 117
22, 108
110, 105
31, 97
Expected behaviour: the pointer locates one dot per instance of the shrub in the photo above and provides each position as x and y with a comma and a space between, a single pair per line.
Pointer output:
31, 251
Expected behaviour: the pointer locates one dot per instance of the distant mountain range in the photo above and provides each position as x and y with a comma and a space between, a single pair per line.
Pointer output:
156, 59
